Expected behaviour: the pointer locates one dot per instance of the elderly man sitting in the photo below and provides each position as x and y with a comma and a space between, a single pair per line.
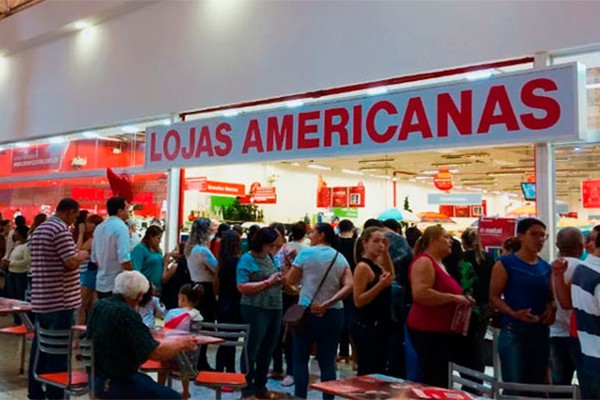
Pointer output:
122, 343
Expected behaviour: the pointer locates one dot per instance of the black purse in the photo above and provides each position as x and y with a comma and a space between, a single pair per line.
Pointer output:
296, 316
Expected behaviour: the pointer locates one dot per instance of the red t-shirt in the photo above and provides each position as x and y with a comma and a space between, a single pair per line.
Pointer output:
434, 318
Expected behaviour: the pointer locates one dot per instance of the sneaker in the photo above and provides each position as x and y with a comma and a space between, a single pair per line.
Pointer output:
287, 381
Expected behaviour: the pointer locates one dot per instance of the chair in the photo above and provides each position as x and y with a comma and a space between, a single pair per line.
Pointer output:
22, 332
86, 353
527, 391
235, 335
479, 383
58, 342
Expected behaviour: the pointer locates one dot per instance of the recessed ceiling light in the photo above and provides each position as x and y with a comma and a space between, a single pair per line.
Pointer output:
316, 166
352, 172
295, 164
81, 25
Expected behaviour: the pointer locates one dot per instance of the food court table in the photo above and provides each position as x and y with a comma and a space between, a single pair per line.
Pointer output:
12, 306
373, 387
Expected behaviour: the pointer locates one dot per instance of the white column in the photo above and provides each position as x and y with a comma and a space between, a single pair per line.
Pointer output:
172, 222
545, 181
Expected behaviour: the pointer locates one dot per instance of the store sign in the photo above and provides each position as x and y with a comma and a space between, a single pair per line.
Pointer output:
442, 180
590, 193
43, 157
357, 195
494, 231
454, 199
202, 184
339, 197
538, 105
345, 212
260, 195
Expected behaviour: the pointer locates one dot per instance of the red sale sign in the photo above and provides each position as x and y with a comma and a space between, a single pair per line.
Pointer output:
590, 193
494, 231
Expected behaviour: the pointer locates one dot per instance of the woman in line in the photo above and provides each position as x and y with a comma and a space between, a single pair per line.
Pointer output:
88, 270
436, 296
326, 321
18, 267
373, 300
37, 221
345, 243
147, 258
521, 290
259, 281
202, 265
215, 242
228, 303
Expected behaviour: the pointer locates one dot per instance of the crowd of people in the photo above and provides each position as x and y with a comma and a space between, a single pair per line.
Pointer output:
380, 298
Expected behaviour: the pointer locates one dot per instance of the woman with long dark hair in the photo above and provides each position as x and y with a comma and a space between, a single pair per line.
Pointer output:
215, 242
313, 264
147, 257
228, 304
373, 277
259, 280
203, 265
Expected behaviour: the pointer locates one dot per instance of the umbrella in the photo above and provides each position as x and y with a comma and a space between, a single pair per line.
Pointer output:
398, 215
435, 218
527, 210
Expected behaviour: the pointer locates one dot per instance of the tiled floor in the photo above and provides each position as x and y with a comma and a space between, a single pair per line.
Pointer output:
14, 386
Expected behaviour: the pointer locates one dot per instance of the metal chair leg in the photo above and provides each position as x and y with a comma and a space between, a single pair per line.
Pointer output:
218, 394
23, 347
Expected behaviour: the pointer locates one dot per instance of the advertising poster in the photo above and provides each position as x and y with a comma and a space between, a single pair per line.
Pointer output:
590, 193
339, 197
494, 231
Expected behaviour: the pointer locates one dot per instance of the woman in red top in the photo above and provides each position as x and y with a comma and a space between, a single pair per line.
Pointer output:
435, 297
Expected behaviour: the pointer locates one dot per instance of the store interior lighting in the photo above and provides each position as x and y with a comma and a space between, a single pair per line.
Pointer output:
482, 74
57, 140
81, 25
294, 103
230, 113
22, 145
90, 135
376, 90
321, 167
352, 172
130, 129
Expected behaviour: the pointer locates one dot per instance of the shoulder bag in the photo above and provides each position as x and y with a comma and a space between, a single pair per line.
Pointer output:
297, 315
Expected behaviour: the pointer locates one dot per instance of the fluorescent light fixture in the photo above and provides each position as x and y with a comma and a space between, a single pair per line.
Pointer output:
481, 74
474, 189
352, 172
81, 25
231, 113
577, 149
410, 180
130, 129
294, 103
295, 164
454, 171
430, 172
512, 195
593, 85
458, 187
381, 177
376, 90
22, 145
316, 166
57, 140
423, 178
90, 135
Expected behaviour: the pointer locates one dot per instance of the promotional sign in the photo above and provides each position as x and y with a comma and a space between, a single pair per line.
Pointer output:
345, 212
323, 193
454, 199
357, 195
494, 231
202, 184
537, 105
43, 157
339, 197
260, 195
197, 184
590, 193
442, 180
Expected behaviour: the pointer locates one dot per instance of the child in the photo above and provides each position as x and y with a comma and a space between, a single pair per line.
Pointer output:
182, 318
150, 307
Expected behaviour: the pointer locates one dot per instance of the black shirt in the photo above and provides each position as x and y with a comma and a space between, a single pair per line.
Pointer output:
346, 247
121, 340
380, 308
170, 290
229, 296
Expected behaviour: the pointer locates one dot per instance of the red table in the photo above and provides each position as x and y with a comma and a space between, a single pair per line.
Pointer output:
12, 306
373, 387
161, 335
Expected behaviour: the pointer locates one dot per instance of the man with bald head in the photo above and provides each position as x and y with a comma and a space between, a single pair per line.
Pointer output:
564, 349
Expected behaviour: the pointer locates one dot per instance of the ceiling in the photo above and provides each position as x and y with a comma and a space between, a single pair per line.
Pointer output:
494, 169
10, 7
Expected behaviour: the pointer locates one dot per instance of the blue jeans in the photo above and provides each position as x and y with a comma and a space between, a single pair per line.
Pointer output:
264, 333
135, 386
565, 353
524, 352
326, 331
413, 366
587, 374
58, 320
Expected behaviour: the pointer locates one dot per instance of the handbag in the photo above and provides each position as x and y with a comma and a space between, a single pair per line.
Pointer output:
297, 315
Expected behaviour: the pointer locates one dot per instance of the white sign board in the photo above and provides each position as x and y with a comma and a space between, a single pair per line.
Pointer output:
537, 105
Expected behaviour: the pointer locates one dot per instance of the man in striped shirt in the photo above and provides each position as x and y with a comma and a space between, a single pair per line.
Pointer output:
55, 289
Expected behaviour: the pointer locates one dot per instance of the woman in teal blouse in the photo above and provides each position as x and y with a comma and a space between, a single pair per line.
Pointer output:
147, 258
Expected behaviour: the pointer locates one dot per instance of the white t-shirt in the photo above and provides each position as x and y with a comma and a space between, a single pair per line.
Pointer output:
314, 261
562, 323
202, 264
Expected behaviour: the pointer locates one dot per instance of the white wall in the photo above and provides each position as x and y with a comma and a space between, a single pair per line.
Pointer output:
155, 58
296, 191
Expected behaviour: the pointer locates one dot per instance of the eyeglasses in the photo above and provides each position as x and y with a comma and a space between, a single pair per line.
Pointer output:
539, 235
